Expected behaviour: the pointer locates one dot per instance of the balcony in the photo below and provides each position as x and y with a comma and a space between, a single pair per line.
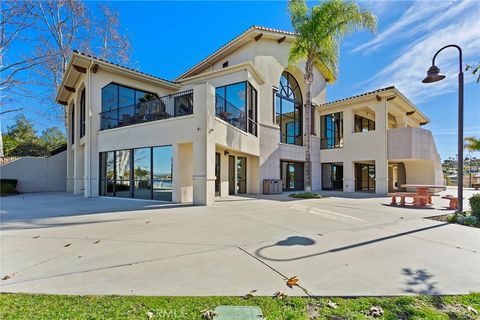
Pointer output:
174, 105
411, 143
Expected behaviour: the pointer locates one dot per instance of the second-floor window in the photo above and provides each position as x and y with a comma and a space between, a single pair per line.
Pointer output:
289, 110
237, 104
363, 124
82, 113
331, 131
72, 124
119, 104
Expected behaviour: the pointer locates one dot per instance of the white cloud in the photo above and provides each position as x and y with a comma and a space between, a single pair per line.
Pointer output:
420, 18
411, 64
407, 24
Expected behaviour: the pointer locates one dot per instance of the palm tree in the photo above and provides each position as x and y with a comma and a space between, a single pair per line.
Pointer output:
318, 34
472, 144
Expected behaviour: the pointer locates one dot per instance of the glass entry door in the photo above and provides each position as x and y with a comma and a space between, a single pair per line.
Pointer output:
291, 174
364, 177
332, 176
231, 175
241, 175
217, 174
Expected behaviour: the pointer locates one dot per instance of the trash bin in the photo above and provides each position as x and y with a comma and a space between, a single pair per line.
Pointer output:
267, 186
279, 186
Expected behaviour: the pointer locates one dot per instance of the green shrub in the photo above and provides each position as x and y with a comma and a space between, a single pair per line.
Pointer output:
8, 186
305, 195
452, 218
470, 220
460, 218
475, 204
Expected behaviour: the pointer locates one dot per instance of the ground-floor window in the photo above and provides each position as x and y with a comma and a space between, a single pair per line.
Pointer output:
364, 177
142, 173
241, 175
292, 175
332, 176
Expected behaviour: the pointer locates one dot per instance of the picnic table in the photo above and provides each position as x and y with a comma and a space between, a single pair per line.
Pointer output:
423, 197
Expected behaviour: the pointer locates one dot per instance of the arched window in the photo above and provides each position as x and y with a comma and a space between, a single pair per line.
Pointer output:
288, 110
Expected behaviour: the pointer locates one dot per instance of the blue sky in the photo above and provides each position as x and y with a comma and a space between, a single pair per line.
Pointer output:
169, 37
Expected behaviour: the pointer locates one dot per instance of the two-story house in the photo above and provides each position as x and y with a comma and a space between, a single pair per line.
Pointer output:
231, 121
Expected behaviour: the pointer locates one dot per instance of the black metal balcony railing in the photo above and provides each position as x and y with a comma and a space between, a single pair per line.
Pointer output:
174, 105
234, 116
331, 143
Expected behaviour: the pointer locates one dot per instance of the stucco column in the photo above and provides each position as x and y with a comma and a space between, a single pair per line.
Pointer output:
203, 147
182, 172
70, 155
348, 165
381, 162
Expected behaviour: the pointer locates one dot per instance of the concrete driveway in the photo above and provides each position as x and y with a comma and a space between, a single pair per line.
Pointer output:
60, 243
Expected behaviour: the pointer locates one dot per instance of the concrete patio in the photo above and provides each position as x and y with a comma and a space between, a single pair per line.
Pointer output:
336, 246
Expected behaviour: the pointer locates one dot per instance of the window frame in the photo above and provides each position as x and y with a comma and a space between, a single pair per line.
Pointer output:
369, 124
325, 130
298, 107
117, 108
250, 106
82, 113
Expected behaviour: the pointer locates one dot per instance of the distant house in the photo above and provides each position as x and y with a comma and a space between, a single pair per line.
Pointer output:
231, 121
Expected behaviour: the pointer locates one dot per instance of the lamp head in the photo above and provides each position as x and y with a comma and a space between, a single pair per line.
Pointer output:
433, 75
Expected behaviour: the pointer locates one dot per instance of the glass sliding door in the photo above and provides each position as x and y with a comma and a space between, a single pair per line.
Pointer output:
162, 173
143, 173
292, 176
332, 176
122, 172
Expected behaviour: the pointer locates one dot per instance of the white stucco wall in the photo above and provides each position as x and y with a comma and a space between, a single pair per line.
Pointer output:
38, 174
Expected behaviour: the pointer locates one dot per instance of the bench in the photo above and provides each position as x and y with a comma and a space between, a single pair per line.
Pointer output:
453, 204
419, 201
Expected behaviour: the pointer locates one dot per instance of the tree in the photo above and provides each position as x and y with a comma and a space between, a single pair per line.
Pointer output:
472, 144
475, 69
45, 32
318, 34
52, 138
21, 139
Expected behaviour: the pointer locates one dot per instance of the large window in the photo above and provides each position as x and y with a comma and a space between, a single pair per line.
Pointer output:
237, 105
331, 131
288, 110
143, 173
121, 105
363, 124
82, 113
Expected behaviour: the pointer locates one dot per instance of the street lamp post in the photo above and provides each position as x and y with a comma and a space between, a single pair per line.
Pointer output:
433, 75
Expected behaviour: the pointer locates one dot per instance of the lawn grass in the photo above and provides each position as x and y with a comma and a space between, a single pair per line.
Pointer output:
52, 307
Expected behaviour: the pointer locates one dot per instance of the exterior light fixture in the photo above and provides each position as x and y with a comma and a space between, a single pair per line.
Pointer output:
433, 75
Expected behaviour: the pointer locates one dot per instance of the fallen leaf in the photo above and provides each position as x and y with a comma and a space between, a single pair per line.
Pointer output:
332, 304
472, 310
293, 281
250, 294
376, 311
98, 241
148, 222
8, 276
67, 245
150, 314
79, 256
36, 236
280, 295
208, 314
